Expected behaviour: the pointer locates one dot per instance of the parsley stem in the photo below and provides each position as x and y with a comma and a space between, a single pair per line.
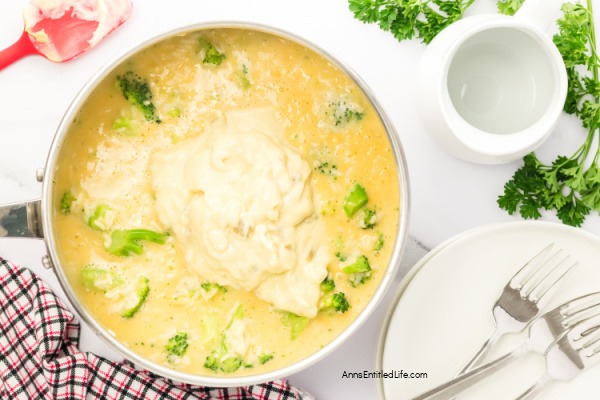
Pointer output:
468, 4
593, 40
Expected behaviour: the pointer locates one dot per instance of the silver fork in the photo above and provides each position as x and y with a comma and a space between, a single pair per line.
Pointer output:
544, 332
519, 301
574, 352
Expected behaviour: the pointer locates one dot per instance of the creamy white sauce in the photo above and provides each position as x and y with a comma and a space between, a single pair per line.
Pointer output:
108, 13
239, 202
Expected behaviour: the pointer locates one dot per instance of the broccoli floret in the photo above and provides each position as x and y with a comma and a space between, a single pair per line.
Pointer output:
66, 202
141, 290
238, 313
95, 278
208, 286
211, 54
137, 91
176, 346
208, 290
128, 297
379, 243
127, 126
220, 359
327, 168
296, 323
343, 112
341, 257
265, 358
335, 302
95, 220
243, 78
359, 271
125, 242
369, 218
327, 285
355, 200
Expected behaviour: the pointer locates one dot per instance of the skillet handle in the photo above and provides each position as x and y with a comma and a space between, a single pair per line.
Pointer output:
21, 220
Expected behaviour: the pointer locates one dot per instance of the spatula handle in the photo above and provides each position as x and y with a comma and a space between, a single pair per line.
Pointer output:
22, 48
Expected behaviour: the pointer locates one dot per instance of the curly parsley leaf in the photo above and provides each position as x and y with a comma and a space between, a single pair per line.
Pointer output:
408, 19
509, 7
570, 186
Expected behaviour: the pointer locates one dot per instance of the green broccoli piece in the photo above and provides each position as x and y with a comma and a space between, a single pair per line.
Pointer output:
327, 285
369, 218
238, 313
265, 358
141, 291
66, 202
243, 78
220, 359
99, 214
335, 302
211, 54
342, 112
327, 168
340, 246
379, 243
127, 126
208, 286
296, 323
125, 242
95, 278
359, 271
131, 296
137, 91
355, 200
176, 346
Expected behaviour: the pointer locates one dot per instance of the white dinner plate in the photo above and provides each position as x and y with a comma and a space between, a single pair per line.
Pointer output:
442, 313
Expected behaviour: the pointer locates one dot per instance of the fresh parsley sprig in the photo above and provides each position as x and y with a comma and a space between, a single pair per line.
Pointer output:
509, 7
408, 19
570, 186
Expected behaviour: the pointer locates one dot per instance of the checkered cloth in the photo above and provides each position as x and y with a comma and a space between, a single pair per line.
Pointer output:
39, 358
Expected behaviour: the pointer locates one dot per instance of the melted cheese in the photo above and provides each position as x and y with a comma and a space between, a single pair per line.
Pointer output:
239, 201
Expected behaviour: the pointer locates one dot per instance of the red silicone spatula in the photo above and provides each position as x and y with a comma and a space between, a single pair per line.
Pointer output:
62, 29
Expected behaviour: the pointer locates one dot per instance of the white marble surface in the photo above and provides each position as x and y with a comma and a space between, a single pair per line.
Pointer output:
448, 195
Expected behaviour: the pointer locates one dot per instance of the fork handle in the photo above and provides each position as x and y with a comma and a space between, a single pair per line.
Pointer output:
537, 388
485, 348
459, 384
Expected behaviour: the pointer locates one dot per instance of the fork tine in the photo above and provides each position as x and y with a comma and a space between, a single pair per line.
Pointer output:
580, 309
554, 281
587, 337
591, 335
593, 348
544, 270
582, 328
517, 279
580, 304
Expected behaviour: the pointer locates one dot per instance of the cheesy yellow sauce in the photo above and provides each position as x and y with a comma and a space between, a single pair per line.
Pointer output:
239, 202
325, 118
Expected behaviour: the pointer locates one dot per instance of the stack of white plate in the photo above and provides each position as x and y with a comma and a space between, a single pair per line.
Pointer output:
442, 312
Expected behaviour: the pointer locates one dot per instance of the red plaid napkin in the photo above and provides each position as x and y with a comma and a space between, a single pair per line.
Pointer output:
39, 358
